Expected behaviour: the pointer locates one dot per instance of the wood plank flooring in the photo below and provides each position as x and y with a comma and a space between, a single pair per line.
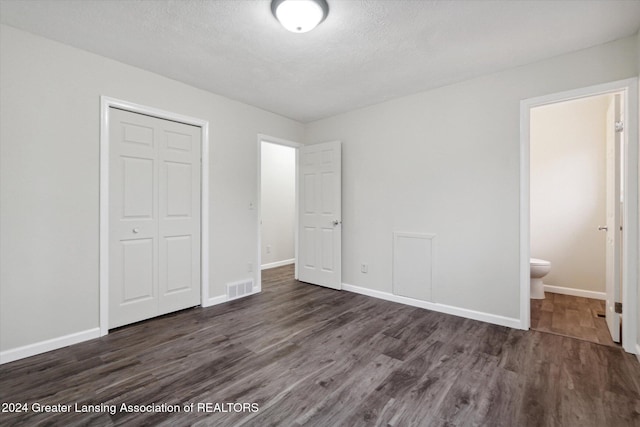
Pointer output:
571, 316
310, 356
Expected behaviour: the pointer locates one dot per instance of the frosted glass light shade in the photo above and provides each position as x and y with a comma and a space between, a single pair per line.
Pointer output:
299, 16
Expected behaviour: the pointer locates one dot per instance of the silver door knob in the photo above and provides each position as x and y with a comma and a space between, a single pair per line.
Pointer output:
601, 228
136, 230
336, 222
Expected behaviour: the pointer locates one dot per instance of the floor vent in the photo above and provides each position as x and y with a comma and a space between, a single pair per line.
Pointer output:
239, 289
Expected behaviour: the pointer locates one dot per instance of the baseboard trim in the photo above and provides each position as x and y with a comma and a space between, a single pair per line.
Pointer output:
575, 292
278, 264
220, 299
215, 301
48, 345
442, 308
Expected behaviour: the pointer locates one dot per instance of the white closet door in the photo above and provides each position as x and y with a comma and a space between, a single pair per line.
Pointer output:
179, 226
154, 217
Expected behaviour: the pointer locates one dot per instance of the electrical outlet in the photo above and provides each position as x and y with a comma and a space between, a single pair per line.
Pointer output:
249, 267
268, 249
364, 268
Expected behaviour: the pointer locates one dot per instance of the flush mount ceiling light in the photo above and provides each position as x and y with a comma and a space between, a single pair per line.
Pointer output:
299, 16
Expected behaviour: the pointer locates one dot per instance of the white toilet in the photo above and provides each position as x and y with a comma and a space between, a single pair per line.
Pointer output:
539, 269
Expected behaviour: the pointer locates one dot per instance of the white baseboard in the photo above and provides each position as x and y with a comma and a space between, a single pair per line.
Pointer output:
225, 298
215, 301
442, 308
575, 292
277, 264
48, 345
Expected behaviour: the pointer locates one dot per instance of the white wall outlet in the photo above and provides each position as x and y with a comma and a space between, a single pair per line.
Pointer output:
249, 267
364, 268
268, 249
252, 205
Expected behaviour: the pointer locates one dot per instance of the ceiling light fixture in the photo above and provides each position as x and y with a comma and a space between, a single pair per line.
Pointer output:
300, 16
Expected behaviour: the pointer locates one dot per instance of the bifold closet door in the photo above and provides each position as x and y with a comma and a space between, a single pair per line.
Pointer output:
154, 216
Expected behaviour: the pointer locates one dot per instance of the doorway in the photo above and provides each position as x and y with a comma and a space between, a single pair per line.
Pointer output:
628, 91
571, 188
277, 204
318, 211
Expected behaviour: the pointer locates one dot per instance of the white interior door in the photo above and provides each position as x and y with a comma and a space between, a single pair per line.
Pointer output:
614, 140
154, 217
320, 215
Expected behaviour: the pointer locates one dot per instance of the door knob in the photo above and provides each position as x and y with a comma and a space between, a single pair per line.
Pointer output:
136, 230
336, 222
603, 228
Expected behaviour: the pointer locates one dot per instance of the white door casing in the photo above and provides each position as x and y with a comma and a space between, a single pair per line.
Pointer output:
613, 240
320, 214
154, 216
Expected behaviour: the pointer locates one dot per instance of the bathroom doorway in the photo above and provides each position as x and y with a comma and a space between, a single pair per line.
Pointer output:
579, 211
570, 192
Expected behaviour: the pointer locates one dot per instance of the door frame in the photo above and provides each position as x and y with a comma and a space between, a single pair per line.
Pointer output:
105, 104
296, 146
629, 273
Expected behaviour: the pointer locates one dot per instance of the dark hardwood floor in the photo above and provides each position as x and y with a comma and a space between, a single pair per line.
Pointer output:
312, 356
572, 316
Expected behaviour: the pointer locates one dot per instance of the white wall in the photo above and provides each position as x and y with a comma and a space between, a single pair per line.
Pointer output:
278, 179
446, 161
49, 187
568, 191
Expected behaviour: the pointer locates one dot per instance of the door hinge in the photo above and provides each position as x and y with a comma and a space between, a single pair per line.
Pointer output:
617, 307
619, 126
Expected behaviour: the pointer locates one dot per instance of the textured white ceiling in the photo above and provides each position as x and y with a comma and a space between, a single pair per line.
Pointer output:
365, 52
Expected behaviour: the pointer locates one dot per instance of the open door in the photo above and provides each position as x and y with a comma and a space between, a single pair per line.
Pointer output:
613, 229
320, 215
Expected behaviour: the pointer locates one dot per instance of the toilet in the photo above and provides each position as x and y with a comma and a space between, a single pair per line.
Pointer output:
539, 269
